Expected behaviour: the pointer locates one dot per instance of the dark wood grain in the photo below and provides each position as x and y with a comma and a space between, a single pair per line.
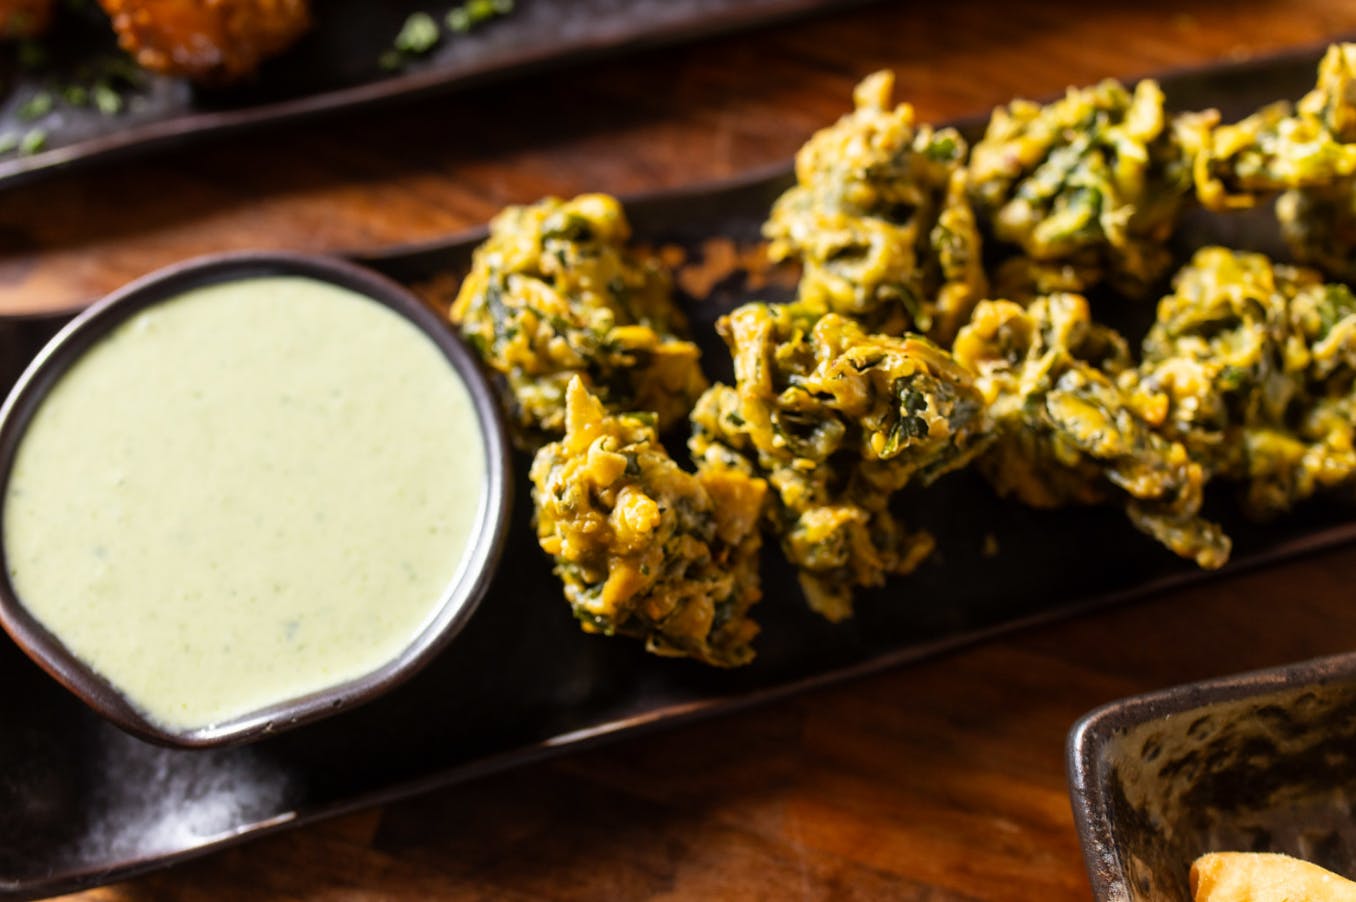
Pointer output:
942, 780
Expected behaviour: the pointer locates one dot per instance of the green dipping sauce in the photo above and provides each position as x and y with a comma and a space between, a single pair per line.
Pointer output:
244, 494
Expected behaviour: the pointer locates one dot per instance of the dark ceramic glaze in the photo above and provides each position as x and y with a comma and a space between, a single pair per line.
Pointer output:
82, 802
336, 67
1261, 762
459, 599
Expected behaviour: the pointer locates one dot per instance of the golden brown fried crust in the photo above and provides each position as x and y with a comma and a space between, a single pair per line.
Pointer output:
24, 18
211, 41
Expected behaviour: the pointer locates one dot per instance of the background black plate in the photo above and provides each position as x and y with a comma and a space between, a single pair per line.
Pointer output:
336, 67
83, 803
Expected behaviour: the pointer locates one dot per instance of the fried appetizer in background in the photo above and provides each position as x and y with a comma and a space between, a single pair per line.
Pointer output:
24, 18
879, 220
212, 41
554, 293
837, 421
643, 547
1265, 877
1306, 150
1319, 220
1310, 144
1068, 434
1251, 366
1319, 227
1087, 187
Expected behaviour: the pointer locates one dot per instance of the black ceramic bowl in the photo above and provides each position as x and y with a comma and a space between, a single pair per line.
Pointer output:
458, 601
1259, 762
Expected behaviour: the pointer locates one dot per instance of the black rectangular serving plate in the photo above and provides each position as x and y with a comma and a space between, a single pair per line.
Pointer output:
1258, 762
82, 803
337, 66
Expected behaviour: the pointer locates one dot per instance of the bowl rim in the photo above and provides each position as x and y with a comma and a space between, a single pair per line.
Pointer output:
1089, 737
459, 599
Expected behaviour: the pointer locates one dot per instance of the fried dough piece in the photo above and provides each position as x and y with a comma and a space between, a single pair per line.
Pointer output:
24, 18
1069, 434
555, 292
1265, 877
837, 421
1309, 145
1252, 366
643, 547
1088, 186
879, 219
212, 41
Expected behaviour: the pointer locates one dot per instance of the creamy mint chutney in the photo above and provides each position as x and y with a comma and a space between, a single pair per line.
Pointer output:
243, 494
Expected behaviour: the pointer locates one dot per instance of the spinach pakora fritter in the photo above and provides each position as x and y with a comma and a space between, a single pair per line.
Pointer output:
1250, 365
1319, 227
1087, 187
554, 293
879, 220
1318, 216
837, 421
1306, 150
643, 547
1309, 144
1068, 434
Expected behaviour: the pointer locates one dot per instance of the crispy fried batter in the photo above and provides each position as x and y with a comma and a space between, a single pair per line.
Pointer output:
1265, 877
1068, 434
644, 548
1311, 144
879, 219
215, 41
1088, 186
554, 293
1251, 366
837, 420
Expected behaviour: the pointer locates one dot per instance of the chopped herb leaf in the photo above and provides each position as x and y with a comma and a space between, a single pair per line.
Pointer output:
35, 107
419, 34
33, 141
107, 100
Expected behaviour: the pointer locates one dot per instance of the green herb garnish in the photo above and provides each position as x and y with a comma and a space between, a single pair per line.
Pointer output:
418, 35
37, 106
33, 141
462, 19
421, 32
107, 99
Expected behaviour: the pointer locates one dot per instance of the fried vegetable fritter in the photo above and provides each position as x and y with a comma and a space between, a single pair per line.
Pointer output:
1067, 433
1311, 144
24, 18
1319, 226
643, 547
214, 41
1250, 365
1318, 214
1089, 186
879, 220
1306, 150
837, 420
554, 293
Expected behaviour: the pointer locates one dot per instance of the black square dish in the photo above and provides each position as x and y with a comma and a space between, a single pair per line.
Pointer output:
1258, 762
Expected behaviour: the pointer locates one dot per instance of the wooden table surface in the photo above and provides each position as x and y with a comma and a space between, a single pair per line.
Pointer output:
942, 780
